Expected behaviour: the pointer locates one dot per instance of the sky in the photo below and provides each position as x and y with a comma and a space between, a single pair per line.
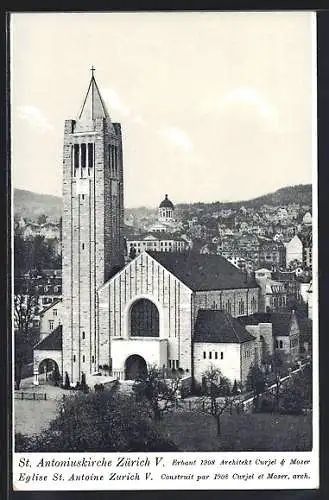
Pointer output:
213, 106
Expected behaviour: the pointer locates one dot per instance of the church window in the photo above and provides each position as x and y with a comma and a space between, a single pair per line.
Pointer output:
228, 306
253, 305
221, 355
83, 156
204, 354
241, 306
76, 158
144, 319
83, 358
90, 156
83, 335
210, 355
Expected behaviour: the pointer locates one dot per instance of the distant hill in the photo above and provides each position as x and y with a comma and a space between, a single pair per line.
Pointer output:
301, 193
30, 205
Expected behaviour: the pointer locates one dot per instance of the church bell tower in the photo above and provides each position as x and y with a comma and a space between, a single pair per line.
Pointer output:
92, 226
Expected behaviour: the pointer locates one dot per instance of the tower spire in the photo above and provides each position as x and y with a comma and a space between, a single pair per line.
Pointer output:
93, 105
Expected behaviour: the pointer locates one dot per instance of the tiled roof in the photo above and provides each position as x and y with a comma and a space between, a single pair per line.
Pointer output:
281, 321
56, 301
219, 327
53, 342
203, 272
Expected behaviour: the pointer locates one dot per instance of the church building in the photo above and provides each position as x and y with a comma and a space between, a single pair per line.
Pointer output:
174, 310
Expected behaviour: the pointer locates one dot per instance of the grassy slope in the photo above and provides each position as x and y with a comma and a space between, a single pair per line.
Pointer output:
248, 432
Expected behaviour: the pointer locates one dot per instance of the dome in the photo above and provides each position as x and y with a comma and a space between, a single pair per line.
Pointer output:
166, 203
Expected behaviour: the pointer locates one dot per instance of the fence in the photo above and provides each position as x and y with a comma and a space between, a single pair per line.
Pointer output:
36, 396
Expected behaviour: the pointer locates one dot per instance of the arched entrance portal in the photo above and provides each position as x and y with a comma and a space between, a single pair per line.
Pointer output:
49, 371
135, 366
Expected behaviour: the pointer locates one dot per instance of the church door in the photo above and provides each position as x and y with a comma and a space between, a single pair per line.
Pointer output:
135, 367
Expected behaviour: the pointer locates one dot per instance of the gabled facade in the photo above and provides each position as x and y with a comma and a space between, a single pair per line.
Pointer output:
148, 310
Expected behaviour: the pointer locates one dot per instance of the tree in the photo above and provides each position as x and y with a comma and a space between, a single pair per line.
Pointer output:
22, 355
102, 421
132, 253
161, 394
42, 219
296, 394
213, 400
26, 305
25, 308
280, 368
255, 383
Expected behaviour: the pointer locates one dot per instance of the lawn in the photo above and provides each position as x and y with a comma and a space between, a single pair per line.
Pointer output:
31, 417
247, 432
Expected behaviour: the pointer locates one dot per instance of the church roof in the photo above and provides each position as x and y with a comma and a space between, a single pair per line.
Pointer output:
281, 321
93, 106
219, 327
202, 271
53, 341
166, 203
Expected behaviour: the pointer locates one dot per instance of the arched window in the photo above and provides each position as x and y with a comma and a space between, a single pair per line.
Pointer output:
228, 306
253, 305
144, 319
241, 306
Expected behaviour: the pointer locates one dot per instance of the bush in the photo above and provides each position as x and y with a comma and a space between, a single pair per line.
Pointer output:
67, 381
267, 403
100, 421
99, 387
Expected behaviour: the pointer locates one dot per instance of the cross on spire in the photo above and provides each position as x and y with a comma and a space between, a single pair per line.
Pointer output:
92, 69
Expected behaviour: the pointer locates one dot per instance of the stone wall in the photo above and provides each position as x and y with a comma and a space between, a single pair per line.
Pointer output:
228, 360
228, 300
91, 240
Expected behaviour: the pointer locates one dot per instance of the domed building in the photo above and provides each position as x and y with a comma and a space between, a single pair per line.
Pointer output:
166, 210
166, 221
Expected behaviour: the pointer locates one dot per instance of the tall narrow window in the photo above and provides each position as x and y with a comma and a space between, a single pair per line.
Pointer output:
83, 358
110, 158
210, 355
116, 160
90, 156
83, 156
76, 158
204, 354
83, 335
216, 355
228, 306
221, 355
